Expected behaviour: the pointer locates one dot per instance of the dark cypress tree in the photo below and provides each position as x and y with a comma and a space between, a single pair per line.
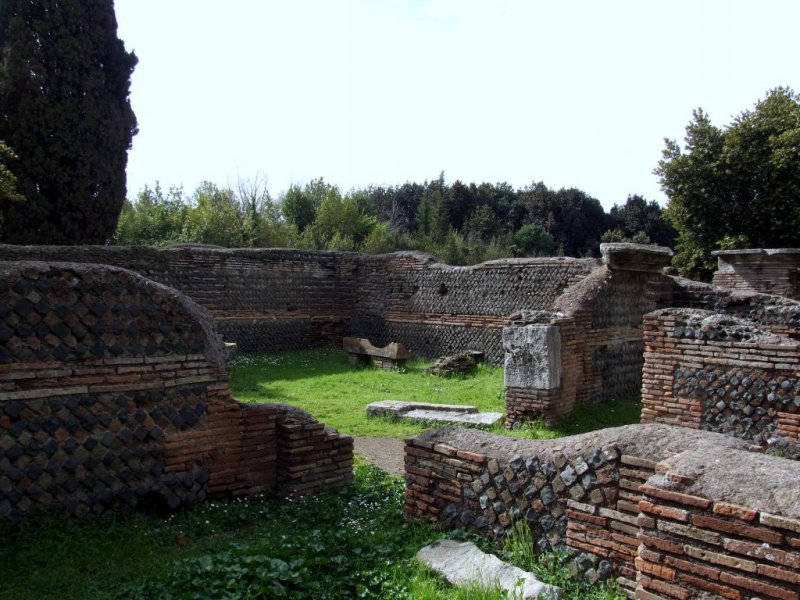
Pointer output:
65, 110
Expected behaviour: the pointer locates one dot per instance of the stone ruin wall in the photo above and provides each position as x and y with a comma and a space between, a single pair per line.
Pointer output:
769, 271
114, 393
643, 498
597, 328
600, 347
264, 300
712, 371
436, 309
279, 299
273, 299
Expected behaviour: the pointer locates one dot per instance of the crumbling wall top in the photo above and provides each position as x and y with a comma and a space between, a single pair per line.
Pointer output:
652, 441
714, 326
635, 257
757, 254
68, 312
761, 482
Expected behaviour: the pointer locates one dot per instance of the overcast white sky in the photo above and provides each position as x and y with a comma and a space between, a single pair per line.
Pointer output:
571, 93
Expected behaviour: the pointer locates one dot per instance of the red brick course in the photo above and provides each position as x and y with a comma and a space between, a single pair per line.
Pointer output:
736, 377
663, 538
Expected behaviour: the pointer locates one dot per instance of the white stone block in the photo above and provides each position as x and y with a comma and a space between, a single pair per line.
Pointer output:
463, 563
533, 356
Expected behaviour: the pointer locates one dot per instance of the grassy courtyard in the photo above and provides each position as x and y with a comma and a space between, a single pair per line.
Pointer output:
323, 383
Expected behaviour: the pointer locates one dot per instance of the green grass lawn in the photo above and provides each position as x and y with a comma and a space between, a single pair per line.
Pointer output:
323, 383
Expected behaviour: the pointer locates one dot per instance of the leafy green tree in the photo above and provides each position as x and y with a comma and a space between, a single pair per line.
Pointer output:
263, 224
252, 197
406, 202
64, 108
298, 208
497, 247
380, 240
617, 235
462, 204
451, 249
504, 201
396, 206
331, 219
533, 240
153, 218
340, 224
215, 217
736, 186
300, 205
441, 210
482, 224
574, 219
9, 191
422, 226
639, 221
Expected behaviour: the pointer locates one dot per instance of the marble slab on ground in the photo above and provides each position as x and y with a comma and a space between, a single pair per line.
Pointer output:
441, 413
463, 563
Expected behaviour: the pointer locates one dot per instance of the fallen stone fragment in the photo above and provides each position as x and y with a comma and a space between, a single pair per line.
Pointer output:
447, 366
463, 563
441, 413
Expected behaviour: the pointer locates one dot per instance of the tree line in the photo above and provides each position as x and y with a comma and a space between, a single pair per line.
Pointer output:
459, 223
66, 125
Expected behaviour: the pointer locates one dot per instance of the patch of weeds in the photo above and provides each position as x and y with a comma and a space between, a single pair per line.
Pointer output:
584, 418
534, 430
351, 542
51, 555
347, 543
427, 585
551, 568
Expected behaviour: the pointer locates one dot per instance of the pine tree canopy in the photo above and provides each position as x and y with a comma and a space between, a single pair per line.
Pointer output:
66, 114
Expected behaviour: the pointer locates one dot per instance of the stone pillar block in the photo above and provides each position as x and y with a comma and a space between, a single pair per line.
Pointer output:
533, 356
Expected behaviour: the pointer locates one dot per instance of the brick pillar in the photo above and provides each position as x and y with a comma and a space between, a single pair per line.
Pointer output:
532, 372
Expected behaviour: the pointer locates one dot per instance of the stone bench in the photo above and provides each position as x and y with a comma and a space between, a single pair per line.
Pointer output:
360, 350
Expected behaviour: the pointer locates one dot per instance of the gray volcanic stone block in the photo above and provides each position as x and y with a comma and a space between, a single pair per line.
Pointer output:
533, 356
462, 563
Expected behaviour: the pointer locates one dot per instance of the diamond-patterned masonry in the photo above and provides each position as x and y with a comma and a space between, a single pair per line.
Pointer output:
113, 393
644, 501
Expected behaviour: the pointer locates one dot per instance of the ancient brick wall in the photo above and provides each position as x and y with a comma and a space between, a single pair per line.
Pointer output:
437, 309
770, 271
113, 392
720, 373
608, 334
277, 299
310, 456
731, 530
600, 326
772, 313
282, 299
263, 300
601, 494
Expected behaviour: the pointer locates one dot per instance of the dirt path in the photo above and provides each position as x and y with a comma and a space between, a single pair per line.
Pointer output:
386, 453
